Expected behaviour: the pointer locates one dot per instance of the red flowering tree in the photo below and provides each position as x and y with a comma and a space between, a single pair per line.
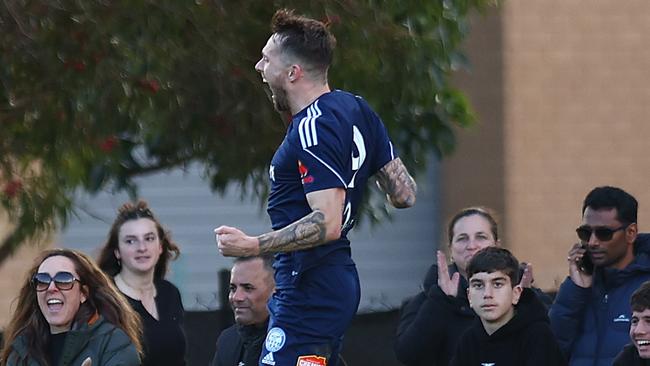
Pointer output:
96, 92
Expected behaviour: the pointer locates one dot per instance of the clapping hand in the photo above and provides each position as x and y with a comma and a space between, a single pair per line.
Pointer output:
527, 276
448, 285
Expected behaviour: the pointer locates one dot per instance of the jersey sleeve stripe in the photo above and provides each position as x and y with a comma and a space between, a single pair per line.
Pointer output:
302, 138
328, 167
307, 127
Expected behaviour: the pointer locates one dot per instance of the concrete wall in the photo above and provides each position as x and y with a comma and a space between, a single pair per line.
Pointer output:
391, 257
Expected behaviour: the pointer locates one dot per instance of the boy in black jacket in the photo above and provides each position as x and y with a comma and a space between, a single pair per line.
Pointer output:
513, 329
638, 352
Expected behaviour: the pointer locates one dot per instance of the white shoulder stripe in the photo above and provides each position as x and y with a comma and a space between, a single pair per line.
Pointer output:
301, 127
317, 113
307, 126
328, 167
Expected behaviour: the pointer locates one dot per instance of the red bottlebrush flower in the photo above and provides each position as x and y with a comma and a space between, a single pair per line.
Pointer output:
153, 85
150, 85
79, 66
12, 188
108, 144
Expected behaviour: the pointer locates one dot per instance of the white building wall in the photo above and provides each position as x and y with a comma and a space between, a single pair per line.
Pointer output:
392, 256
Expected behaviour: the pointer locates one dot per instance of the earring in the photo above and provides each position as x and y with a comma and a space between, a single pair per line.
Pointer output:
119, 262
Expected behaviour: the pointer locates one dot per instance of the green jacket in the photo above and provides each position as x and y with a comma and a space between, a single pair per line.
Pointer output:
103, 342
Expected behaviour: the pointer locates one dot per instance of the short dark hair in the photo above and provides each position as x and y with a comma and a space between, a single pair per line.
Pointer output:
484, 212
492, 259
607, 197
640, 299
307, 39
267, 260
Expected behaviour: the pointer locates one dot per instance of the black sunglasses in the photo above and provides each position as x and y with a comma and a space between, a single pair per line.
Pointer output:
62, 280
602, 233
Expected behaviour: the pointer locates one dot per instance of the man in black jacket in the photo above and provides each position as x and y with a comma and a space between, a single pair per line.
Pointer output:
251, 285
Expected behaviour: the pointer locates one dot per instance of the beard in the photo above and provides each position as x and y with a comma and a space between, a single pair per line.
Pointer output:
280, 99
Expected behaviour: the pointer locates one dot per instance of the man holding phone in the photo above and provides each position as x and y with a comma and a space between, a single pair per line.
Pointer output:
591, 313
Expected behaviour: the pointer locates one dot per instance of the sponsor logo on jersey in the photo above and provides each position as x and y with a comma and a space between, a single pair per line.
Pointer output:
311, 360
304, 174
622, 318
275, 339
268, 359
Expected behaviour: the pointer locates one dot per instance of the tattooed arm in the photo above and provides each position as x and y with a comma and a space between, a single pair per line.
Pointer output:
322, 225
397, 183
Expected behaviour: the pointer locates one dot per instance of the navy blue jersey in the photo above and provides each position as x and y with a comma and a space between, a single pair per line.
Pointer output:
335, 142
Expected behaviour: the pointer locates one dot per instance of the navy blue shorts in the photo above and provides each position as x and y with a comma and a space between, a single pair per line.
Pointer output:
308, 320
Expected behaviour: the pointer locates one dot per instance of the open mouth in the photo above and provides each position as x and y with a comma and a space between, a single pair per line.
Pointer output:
241, 310
54, 304
643, 342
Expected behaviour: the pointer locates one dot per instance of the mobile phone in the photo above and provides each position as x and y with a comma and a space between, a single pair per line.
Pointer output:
585, 263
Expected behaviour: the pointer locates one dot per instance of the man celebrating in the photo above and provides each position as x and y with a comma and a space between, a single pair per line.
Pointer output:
334, 143
251, 286
591, 313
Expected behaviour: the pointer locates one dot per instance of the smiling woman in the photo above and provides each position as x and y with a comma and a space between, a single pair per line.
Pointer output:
137, 254
70, 313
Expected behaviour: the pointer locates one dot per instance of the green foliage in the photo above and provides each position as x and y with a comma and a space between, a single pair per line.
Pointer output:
96, 92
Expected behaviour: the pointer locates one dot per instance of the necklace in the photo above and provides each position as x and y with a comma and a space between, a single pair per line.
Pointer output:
147, 297
136, 292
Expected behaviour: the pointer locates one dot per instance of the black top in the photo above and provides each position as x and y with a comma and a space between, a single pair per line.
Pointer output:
55, 347
629, 356
526, 340
431, 323
240, 345
164, 339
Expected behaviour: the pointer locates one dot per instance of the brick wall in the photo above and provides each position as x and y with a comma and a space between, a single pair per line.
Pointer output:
13, 273
574, 99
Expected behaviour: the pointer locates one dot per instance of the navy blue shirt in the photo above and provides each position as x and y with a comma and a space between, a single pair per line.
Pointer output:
335, 142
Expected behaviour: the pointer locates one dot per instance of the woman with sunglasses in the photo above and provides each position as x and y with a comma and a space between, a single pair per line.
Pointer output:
432, 322
70, 313
137, 254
